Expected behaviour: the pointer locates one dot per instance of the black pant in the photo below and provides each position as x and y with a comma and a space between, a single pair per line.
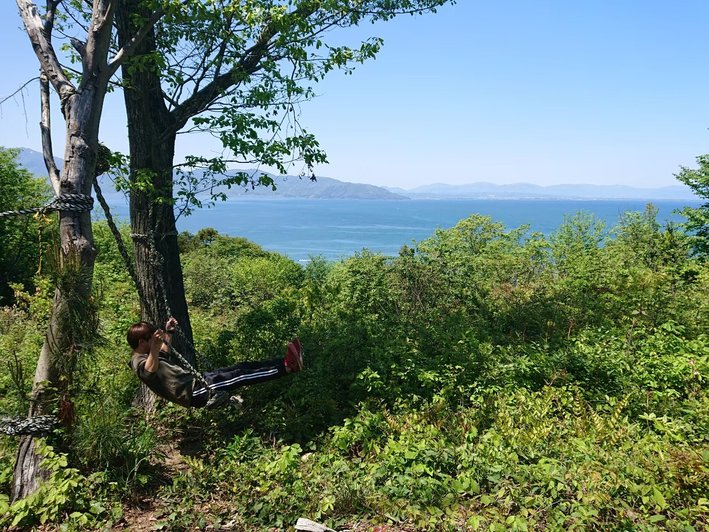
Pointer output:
241, 374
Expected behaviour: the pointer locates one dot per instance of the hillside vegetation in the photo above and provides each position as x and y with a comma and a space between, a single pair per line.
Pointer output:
485, 378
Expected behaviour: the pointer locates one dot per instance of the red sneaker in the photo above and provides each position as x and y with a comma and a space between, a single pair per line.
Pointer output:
294, 357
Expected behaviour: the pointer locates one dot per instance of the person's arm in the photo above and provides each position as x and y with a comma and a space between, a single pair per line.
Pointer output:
169, 330
152, 363
159, 342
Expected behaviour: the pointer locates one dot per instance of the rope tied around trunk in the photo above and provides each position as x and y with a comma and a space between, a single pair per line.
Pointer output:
34, 426
63, 202
43, 425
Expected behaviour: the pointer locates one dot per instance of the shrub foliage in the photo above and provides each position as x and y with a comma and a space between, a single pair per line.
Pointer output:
483, 378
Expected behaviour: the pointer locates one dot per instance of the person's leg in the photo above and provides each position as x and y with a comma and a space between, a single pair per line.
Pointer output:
294, 356
245, 373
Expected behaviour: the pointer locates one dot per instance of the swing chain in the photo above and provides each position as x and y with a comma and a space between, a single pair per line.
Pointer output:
216, 398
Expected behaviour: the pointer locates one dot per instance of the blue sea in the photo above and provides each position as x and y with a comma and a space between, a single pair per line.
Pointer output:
334, 229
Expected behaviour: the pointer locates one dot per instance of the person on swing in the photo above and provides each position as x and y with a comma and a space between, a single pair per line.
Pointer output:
176, 384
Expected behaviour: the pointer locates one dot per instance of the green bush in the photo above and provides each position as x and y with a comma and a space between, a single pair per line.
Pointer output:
484, 379
22, 238
66, 496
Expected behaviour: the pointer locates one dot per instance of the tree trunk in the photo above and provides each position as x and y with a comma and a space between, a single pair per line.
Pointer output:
154, 233
81, 106
82, 113
151, 135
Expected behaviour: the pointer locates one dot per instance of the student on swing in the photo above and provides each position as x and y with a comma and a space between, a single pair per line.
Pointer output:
176, 384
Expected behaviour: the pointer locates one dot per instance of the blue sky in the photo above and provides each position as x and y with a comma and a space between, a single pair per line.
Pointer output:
505, 91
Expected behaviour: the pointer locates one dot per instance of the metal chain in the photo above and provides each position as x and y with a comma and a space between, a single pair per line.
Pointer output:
216, 397
63, 202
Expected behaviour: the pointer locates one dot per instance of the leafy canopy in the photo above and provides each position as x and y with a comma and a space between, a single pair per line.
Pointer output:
698, 219
239, 70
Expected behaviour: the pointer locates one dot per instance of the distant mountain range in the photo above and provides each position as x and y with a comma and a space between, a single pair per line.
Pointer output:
329, 188
529, 191
34, 161
324, 188
286, 186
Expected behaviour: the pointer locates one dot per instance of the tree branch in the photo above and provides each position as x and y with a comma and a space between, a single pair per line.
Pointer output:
248, 64
129, 48
45, 128
49, 17
43, 49
19, 89
98, 41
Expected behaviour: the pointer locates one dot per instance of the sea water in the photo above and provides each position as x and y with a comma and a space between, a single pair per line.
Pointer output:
334, 229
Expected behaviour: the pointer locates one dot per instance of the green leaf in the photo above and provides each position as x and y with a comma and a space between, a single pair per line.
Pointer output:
659, 498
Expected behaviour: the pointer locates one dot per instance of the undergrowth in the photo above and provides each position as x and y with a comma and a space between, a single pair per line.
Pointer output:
482, 379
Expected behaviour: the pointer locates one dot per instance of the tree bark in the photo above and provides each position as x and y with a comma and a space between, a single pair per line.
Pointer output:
81, 107
151, 137
154, 234
82, 112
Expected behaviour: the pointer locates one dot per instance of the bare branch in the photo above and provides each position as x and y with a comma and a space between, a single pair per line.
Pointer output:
98, 42
78, 46
103, 18
6, 98
49, 16
76, 20
45, 128
43, 49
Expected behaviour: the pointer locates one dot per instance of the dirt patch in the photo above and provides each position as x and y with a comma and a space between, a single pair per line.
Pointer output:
143, 514
138, 518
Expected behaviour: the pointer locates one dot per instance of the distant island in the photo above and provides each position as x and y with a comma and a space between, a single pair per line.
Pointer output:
329, 188
286, 186
323, 188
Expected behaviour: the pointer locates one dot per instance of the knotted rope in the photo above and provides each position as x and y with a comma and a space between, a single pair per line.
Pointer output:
35, 426
42, 425
63, 202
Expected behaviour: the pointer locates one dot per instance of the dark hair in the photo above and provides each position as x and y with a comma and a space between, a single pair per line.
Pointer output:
139, 331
